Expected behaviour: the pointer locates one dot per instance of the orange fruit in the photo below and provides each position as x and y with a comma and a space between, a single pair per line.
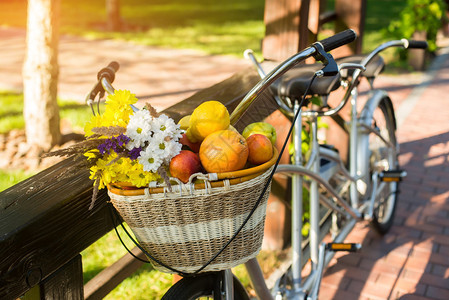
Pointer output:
223, 151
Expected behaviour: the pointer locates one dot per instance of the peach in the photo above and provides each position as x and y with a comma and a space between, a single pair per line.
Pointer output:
184, 140
260, 149
183, 165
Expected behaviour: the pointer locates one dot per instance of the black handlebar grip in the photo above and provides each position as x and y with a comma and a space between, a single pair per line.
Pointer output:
338, 40
109, 72
417, 44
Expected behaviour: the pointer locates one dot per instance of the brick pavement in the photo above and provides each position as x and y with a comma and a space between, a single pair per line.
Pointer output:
410, 262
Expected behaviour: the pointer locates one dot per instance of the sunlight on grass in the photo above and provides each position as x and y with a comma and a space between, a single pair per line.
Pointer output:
146, 283
11, 112
9, 178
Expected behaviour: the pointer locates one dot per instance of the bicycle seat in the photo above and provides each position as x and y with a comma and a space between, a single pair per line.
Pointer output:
294, 82
374, 67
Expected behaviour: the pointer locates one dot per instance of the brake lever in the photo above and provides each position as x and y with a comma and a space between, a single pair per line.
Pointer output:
330, 66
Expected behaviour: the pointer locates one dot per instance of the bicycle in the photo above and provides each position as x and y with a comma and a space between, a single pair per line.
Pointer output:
366, 190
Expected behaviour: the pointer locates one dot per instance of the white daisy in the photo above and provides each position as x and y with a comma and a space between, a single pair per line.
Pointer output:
167, 126
150, 160
139, 129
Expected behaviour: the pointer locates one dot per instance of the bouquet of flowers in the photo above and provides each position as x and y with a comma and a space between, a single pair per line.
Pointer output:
123, 146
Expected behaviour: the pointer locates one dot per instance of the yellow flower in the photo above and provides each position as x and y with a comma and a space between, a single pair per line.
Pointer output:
95, 121
120, 99
116, 113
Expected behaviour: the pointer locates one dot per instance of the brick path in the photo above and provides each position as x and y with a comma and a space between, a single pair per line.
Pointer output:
410, 262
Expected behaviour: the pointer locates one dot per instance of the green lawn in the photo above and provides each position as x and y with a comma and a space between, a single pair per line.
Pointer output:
216, 27
11, 117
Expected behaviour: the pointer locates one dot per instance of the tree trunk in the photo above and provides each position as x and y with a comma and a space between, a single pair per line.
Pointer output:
40, 74
114, 21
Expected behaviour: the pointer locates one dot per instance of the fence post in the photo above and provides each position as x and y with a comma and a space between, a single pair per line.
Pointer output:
65, 283
351, 14
286, 24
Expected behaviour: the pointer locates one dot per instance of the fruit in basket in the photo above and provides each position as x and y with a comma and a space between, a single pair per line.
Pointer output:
208, 117
232, 128
184, 140
260, 128
223, 151
260, 149
184, 122
183, 165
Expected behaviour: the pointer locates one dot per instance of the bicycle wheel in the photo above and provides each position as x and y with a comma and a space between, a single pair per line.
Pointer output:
208, 286
383, 158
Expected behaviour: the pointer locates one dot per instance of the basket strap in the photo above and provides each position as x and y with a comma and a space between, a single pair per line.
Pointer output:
268, 182
114, 217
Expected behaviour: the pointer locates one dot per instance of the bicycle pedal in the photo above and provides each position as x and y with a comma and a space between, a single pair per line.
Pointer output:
392, 175
350, 247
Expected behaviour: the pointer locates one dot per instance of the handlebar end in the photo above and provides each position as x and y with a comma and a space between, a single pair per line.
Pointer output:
413, 44
338, 40
109, 71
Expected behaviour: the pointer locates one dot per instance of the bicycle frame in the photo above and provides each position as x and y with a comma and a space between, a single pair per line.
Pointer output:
357, 175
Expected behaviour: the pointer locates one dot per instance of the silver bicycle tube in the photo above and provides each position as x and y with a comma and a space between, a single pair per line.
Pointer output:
256, 276
267, 81
297, 206
353, 148
293, 169
314, 199
228, 285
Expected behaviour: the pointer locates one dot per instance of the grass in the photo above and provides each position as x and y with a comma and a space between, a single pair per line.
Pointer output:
74, 114
10, 177
215, 27
106, 251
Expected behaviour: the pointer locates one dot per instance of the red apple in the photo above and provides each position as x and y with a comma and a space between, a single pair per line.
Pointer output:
185, 164
195, 147
260, 149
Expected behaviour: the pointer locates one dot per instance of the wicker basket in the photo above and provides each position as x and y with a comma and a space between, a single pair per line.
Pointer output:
185, 228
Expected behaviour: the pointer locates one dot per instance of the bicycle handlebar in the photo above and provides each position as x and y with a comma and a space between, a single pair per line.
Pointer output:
338, 40
328, 44
412, 44
109, 72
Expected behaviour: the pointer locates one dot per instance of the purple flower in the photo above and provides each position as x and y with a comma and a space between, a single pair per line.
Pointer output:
116, 144
135, 153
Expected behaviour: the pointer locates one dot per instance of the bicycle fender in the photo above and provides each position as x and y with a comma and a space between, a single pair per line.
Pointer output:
367, 112
365, 117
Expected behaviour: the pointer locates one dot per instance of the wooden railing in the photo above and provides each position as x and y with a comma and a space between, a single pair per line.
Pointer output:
45, 222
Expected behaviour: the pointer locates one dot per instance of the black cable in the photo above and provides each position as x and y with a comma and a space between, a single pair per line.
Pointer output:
143, 250
247, 218
269, 178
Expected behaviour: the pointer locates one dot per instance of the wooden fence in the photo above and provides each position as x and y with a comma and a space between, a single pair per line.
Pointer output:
45, 221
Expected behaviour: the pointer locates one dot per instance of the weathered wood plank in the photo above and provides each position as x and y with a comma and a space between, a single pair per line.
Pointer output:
65, 283
48, 223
